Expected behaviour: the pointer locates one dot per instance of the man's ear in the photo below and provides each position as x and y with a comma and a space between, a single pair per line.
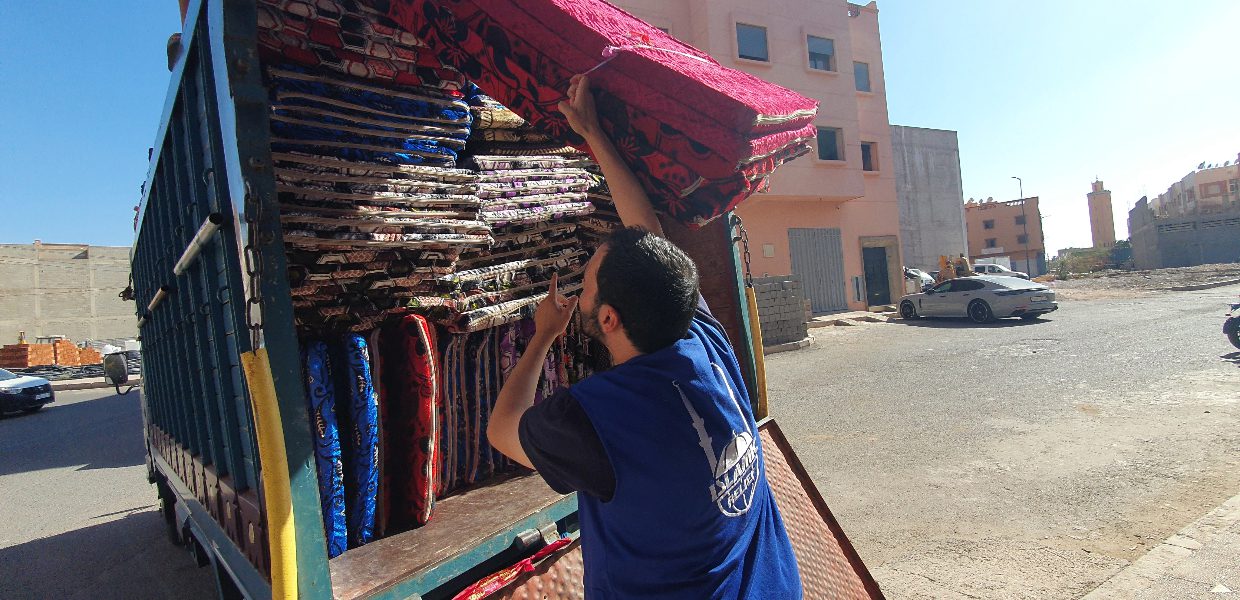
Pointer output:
609, 319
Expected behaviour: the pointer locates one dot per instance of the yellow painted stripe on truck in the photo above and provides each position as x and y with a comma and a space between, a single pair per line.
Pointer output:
274, 460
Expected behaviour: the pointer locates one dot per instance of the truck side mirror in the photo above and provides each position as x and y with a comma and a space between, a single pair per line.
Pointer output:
116, 369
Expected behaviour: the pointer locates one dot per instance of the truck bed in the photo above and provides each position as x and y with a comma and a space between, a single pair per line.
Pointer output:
463, 523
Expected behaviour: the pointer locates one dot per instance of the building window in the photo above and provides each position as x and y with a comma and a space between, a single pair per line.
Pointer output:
821, 53
829, 143
751, 42
861, 72
1233, 185
991, 242
869, 156
1022, 239
1020, 219
988, 224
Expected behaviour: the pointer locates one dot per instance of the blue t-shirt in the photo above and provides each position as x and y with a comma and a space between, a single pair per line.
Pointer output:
676, 504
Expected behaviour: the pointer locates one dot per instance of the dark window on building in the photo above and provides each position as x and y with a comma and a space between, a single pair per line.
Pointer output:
988, 224
991, 242
861, 72
1022, 239
869, 156
829, 144
1020, 219
821, 53
751, 42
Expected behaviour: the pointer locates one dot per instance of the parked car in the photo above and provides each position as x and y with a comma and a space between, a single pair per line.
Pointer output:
982, 298
999, 271
922, 278
23, 392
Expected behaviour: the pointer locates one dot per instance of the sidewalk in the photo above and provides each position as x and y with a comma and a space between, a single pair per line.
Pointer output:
1201, 561
90, 383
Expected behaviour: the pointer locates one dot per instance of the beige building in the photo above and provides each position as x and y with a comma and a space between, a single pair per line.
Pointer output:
832, 217
1206, 190
1101, 217
1011, 229
64, 289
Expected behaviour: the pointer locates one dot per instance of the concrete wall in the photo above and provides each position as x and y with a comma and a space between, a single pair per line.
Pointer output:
931, 197
806, 192
781, 309
64, 289
1185, 241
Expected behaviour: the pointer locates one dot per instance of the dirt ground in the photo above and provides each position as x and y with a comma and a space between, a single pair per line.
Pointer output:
1112, 284
1020, 459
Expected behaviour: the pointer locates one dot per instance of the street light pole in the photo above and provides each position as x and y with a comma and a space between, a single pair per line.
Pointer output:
1024, 222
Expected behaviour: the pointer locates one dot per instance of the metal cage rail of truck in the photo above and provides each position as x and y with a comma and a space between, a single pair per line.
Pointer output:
209, 276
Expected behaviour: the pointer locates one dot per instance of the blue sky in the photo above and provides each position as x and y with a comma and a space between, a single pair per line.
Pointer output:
1135, 92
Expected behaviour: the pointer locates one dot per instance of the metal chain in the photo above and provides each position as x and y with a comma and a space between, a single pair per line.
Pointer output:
743, 238
253, 269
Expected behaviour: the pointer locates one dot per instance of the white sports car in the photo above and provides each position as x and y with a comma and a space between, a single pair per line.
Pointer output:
982, 299
23, 392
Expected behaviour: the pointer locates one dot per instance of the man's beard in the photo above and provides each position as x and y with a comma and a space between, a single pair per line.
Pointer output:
590, 325
596, 356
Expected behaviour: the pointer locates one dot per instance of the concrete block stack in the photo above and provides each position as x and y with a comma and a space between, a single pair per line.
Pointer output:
781, 309
24, 356
65, 353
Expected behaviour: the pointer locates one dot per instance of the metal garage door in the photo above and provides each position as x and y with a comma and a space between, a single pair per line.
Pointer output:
818, 258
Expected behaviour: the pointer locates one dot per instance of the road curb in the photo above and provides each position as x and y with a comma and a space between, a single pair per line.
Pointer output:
1171, 555
78, 384
790, 346
1203, 286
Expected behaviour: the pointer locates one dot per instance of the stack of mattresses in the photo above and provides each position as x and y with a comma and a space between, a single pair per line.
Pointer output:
533, 202
700, 136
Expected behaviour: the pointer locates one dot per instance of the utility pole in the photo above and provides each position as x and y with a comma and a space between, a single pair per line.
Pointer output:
1024, 223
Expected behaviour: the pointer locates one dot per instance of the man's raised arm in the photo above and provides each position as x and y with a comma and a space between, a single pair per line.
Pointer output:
632, 203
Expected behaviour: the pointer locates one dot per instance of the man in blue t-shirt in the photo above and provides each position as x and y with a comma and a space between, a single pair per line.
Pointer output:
662, 447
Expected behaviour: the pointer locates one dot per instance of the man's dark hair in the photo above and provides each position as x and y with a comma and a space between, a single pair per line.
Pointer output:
651, 283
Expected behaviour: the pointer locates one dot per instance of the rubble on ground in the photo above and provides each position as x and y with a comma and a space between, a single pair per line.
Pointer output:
1114, 283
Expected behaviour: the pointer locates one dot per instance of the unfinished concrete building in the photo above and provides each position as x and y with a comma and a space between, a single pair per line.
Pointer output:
1195, 222
929, 193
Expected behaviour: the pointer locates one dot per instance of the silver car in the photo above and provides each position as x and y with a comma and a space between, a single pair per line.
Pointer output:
983, 299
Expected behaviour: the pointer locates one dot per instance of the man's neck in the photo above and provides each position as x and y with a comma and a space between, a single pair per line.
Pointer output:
622, 351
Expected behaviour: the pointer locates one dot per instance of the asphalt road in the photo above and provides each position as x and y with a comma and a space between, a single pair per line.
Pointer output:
1015, 460
1018, 460
79, 518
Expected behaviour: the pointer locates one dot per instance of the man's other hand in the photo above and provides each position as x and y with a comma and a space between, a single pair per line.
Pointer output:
554, 312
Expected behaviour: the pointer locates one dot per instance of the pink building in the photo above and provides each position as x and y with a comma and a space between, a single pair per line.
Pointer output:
830, 217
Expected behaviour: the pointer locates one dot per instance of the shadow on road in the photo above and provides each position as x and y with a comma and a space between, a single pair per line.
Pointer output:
99, 433
964, 323
130, 557
1233, 358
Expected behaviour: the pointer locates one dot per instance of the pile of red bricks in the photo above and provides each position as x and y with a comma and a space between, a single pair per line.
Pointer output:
66, 354
89, 356
24, 356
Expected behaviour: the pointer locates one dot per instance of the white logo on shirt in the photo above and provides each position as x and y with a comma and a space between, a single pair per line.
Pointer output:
735, 470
